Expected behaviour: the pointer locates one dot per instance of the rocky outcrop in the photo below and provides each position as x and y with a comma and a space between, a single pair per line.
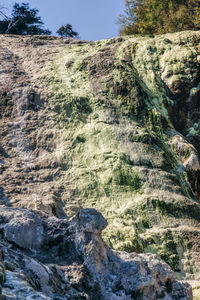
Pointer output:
70, 260
111, 125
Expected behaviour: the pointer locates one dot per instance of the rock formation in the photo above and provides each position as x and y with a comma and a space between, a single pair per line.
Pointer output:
50, 258
111, 125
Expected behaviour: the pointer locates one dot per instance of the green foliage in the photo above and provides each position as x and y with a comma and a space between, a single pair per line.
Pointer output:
159, 16
67, 31
155, 122
23, 20
123, 177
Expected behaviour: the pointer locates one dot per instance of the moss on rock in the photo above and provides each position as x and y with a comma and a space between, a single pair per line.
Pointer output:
115, 101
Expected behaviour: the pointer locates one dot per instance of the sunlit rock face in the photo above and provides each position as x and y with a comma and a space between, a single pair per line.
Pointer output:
111, 125
73, 262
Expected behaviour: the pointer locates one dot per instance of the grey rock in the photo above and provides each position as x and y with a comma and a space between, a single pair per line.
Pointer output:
90, 220
54, 258
22, 228
2, 271
17, 287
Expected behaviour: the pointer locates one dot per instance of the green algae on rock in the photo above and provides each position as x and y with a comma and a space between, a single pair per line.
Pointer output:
122, 101
120, 124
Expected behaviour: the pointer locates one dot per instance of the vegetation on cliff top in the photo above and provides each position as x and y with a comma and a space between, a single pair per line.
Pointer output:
159, 16
23, 20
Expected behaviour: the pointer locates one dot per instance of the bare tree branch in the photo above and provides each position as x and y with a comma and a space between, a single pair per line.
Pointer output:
2, 13
10, 26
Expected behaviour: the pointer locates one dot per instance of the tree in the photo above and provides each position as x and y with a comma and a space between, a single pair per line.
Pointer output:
23, 20
159, 16
67, 31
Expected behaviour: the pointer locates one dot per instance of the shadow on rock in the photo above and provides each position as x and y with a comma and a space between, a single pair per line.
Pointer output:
50, 258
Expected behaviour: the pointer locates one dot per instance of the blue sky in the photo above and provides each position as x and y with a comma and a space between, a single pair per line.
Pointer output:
93, 19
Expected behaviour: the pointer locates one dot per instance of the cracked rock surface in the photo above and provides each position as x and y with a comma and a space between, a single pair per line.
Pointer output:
112, 125
71, 261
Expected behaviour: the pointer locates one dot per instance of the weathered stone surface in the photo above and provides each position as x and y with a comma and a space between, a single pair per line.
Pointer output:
112, 125
21, 227
91, 220
2, 270
73, 262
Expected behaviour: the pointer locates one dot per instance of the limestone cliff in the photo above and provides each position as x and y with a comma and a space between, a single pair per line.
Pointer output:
112, 125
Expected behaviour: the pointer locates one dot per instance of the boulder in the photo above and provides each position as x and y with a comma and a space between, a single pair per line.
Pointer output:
50, 258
